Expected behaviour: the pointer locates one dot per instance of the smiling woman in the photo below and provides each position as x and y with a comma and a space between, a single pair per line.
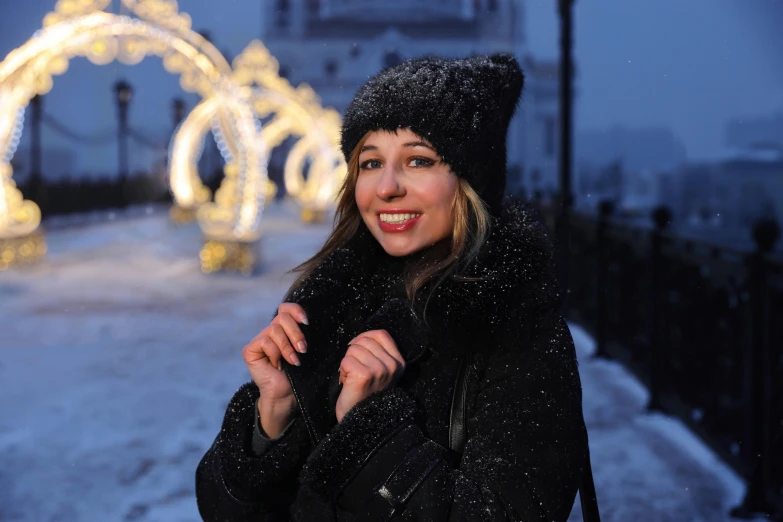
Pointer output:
405, 192
419, 368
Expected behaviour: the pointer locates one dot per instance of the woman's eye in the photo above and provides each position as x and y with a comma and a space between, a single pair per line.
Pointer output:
420, 162
370, 164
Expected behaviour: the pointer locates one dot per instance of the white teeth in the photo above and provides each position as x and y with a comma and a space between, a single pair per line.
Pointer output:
397, 218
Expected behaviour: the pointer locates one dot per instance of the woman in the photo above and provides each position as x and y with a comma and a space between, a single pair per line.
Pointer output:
419, 367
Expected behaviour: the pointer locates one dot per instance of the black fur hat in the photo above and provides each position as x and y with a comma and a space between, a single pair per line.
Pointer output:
462, 106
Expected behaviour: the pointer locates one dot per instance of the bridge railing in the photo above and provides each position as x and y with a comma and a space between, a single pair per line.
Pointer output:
700, 325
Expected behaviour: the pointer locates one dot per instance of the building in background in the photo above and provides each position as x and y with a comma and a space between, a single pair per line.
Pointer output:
637, 149
754, 133
336, 45
625, 165
722, 200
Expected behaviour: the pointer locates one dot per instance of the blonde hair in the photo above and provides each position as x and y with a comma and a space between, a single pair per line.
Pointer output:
471, 227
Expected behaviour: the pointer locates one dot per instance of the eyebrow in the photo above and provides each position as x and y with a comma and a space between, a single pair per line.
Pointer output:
419, 144
409, 144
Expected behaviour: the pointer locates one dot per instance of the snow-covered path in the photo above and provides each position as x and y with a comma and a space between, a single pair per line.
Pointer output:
117, 357
647, 467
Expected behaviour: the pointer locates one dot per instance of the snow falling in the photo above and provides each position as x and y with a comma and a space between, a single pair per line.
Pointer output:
119, 357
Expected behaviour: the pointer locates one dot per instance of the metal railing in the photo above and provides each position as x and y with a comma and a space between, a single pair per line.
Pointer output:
700, 325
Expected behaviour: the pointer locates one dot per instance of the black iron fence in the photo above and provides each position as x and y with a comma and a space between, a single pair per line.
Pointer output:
84, 194
68, 194
700, 325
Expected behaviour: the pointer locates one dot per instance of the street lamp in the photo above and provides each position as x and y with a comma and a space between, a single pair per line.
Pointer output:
123, 93
565, 8
37, 184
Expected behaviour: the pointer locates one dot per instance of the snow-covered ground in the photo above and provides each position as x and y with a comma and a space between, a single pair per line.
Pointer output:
117, 358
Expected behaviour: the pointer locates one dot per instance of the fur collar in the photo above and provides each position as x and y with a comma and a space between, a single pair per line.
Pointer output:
357, 288
511, 276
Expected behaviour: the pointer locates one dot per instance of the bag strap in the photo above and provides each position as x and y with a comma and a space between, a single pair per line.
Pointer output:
458, 437
457, 428
587, 491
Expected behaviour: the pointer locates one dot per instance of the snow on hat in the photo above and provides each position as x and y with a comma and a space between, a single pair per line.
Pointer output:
461, 106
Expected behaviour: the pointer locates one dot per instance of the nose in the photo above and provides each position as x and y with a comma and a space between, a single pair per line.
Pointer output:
389, 185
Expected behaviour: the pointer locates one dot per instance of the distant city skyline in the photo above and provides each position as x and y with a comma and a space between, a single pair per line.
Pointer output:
690, 67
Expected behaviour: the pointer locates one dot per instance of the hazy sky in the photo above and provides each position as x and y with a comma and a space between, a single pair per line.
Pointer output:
688, 65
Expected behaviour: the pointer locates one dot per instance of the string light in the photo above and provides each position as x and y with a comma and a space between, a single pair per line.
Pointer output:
16, 135
295, 112
83, 28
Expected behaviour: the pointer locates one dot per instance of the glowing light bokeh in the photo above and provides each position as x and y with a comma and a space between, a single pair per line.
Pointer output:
293, 112
82, 28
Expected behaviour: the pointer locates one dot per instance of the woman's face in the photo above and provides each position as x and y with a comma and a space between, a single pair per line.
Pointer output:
404, 192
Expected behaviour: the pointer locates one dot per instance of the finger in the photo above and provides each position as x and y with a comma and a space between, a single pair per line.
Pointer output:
261, 347
394, 367
367, 347
369, 353
292, 331
295, 311
384, 339
252, 352
273, 352
351, 365
278, 335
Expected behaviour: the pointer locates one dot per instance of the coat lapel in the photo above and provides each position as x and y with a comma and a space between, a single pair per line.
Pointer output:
352, 291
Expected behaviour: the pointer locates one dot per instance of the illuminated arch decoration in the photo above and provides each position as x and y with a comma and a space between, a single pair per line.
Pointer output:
83, 28
290, 112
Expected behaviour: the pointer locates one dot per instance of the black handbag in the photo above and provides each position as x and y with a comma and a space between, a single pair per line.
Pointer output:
458, 436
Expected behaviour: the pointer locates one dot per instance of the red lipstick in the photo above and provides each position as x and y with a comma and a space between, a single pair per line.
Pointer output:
398, 227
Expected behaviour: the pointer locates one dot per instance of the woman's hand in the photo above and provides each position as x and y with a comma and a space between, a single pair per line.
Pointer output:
263, 357
372, 363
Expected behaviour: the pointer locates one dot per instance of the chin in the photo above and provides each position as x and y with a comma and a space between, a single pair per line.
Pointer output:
398, 247
398, 250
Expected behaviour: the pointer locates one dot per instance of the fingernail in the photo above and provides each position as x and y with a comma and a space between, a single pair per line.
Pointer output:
305, 321
295, 359
280, 365
302, 346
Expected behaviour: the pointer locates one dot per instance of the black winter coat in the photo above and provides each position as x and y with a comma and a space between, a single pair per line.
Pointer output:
389, 457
